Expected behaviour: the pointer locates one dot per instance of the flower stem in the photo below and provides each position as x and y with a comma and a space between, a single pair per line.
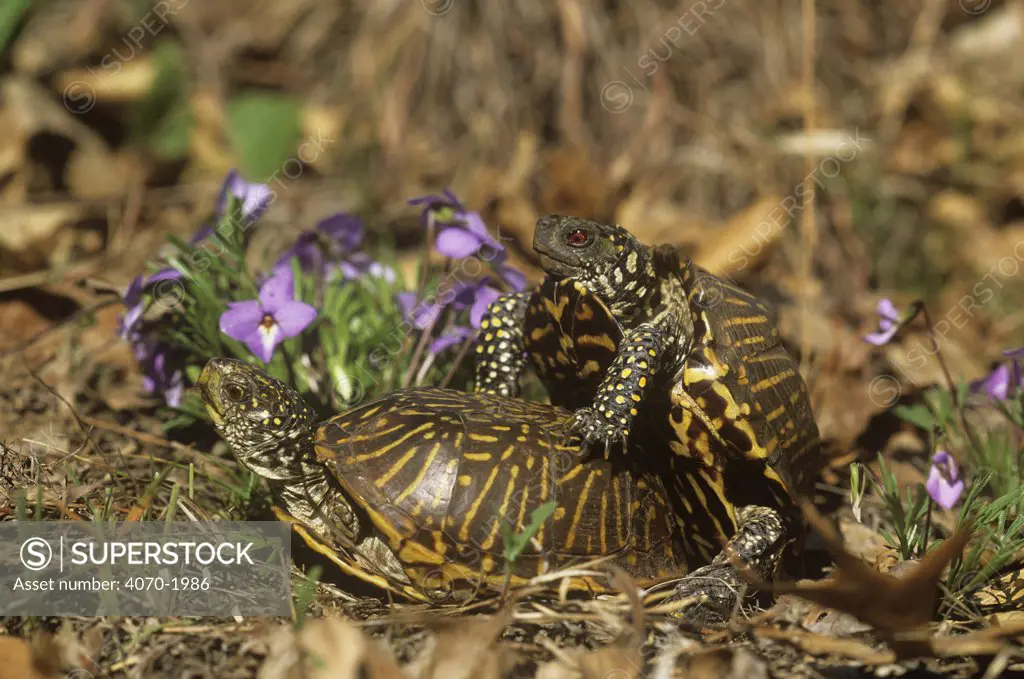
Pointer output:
927, 530
463, 350
968, 430
420, 348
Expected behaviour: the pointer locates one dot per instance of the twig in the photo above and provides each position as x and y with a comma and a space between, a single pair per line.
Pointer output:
807, 222
78, 419
463, 350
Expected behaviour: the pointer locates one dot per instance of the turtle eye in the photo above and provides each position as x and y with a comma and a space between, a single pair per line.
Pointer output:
578, 238
234, 391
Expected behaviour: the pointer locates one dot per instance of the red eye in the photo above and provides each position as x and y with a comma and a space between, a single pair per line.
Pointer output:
578, 238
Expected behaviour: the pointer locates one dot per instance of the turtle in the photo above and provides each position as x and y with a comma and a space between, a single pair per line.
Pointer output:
409, 491
643, 344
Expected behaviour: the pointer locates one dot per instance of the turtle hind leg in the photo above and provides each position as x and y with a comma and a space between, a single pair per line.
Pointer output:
759, 542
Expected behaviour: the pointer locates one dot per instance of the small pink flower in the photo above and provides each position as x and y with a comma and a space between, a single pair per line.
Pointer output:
944, 483
888, 324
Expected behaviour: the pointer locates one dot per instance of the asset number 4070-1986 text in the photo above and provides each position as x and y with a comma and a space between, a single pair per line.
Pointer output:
175, 584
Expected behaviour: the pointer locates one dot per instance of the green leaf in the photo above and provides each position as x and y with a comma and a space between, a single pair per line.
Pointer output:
264, 130
516, 543
304, 593
918, 415
161, 122
11, 12
171, 138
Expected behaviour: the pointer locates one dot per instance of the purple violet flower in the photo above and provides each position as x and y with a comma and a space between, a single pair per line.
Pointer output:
256, 198
331, 248
421, 314
129, 321
888, 324
944, 483
1006, 380
435, 203
457, 336
475, 296
466, 239
515, 278
461, 233
265, 323
161, 373
360, 264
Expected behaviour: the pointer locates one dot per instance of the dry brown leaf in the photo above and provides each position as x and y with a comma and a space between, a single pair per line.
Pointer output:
724, 663
56, 33
575, 184
466, 649
21, 660
860, 540
959, 210
16, 660
988, 641
336, 649
134, 80
613, 661
887, 603
34, 236
748, 238
1007, 618
818, 644
656, 219
92, 171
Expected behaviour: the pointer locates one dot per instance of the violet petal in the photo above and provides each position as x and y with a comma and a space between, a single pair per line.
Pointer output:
133, 294
882, 337
262, 340
943, 491
168, 274
457, 243
406, 303
345, 228
996, 384
278, 290
458, 335
294, 317
515, 278
484, 298
887, 312
241, 319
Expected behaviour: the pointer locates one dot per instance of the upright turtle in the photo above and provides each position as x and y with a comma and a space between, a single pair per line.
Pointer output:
646, 346
409, 491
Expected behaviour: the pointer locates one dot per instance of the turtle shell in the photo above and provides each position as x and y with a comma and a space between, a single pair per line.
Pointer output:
737, 415
443, 475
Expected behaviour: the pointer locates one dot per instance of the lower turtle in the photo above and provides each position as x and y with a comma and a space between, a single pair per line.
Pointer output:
410, 491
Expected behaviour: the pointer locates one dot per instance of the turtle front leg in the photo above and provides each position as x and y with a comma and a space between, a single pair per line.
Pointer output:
618, 398
500, 346
759, 541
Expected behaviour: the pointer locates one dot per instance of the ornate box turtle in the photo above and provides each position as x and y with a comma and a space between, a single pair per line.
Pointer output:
644, 345
409, 491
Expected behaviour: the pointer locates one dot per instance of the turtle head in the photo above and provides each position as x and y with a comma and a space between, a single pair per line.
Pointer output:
606, 259
267, 424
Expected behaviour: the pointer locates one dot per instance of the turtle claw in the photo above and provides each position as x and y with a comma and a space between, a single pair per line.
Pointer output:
595, 432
